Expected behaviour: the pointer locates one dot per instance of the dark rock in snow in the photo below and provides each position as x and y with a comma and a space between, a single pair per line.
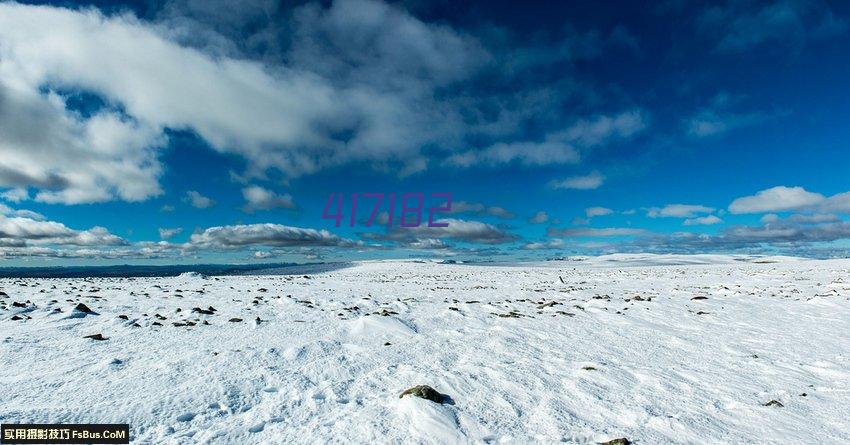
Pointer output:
699, 298
424, 392
620, 441
235, 319
98, 337
84, 309
775, 403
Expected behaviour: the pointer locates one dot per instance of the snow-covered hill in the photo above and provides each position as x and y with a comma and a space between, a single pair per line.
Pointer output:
574, 353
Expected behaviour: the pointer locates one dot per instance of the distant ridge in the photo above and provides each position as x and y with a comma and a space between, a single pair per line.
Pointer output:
127, 270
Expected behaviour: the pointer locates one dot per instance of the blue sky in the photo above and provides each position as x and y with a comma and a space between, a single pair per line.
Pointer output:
185, 131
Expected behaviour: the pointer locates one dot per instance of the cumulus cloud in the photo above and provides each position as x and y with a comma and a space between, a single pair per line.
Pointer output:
8, 211
703, 221
198, 200
543, 245
458, 230
539, 218
480, 209
165, 233
588, 182
678, 211
70, 159
323, 85
259, 198
811, 219
23, 228
15, 195
594, 232
794, 234
597, 211
776, 199
426, 244
839, 203
262, 254
274, 235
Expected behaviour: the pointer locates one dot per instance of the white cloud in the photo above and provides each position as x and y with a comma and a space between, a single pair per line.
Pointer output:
740, 26
769, 218
839, 203
603, 129
591, 232
277, 116
718, 117
459, 230
816, 218
551, 244
588, 182
262, 254
480, 209
559, 147
525, 153
539, 218
8, 211
710, 123
275, 235
360, 83
24, 231
703, 221
678, 211
165, 233
259, 198
426, 243
597, 211
776, 199
70, 159
15, 195
198, 200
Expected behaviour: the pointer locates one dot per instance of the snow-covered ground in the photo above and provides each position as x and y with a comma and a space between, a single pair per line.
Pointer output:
575, 351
